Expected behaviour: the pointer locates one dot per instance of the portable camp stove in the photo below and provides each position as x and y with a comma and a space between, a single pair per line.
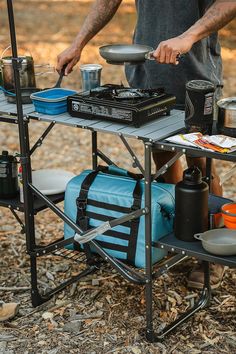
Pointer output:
121, 104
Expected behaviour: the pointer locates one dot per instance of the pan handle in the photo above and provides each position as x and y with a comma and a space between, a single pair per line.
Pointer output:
198, 237
149, 56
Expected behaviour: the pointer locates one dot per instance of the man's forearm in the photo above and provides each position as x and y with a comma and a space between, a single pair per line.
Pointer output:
100, 14
216, 17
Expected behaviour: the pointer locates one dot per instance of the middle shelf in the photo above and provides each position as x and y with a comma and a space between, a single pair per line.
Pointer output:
39, 205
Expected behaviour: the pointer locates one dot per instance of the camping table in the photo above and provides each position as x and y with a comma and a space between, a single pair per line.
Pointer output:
153, 136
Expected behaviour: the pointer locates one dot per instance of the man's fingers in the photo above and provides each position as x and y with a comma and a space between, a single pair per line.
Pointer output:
69, 68
156, 53
59, 65
162, 56
174, 58
168, 54
163, 53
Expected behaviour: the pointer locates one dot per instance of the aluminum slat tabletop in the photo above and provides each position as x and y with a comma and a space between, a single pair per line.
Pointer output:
152, 131
10, 108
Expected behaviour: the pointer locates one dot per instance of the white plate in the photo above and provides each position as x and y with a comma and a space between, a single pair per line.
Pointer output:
51, 181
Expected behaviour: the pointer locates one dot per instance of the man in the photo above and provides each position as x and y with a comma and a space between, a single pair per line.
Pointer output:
173, 27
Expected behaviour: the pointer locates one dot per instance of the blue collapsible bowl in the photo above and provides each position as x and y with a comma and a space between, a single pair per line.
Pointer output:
51, 101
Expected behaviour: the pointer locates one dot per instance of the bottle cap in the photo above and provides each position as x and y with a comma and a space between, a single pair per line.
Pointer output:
192, 175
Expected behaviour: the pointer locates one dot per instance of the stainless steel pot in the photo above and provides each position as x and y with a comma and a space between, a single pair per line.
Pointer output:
27, 71
27, 75
221, 242
227, 116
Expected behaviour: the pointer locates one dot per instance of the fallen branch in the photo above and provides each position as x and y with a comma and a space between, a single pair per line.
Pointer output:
14, 288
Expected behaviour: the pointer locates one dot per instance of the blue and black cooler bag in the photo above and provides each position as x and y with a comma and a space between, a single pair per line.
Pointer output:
107, 193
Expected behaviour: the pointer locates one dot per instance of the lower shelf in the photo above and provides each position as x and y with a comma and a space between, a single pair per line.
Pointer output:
14, 203
194, 249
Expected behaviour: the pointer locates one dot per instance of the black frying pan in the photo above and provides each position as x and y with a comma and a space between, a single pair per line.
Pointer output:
124, 53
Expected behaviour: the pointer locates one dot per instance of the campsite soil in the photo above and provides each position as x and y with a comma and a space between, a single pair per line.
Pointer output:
102, 313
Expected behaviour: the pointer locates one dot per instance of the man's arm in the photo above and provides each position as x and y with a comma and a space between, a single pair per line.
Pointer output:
100, 14
217, 16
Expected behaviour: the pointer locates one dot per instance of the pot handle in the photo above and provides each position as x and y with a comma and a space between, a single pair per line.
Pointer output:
4, 50
44, 72
6, 91
48, 66
198, 237
7, 48
44, 66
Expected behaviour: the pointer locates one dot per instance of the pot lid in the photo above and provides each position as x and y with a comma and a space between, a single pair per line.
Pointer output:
227, 103
199, 85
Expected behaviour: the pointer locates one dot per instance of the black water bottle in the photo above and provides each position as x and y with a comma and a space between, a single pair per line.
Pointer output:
8, 176
191, 205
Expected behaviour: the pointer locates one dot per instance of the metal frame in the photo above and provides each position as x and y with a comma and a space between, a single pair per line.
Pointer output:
146, 277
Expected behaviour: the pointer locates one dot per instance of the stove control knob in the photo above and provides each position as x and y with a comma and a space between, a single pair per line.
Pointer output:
75, 107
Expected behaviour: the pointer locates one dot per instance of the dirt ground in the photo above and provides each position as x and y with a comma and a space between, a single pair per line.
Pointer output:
102, 313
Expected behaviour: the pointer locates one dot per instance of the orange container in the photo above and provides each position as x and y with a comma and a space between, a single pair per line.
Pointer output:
229, 215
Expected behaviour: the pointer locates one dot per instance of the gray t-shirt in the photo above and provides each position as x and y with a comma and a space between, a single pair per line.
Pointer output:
159, 20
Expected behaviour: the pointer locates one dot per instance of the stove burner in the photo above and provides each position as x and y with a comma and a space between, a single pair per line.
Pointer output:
111, 92
126, 94
124, 104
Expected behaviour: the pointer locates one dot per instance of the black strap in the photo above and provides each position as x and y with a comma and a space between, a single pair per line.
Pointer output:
113, 246
103, 205
134, 224
106, 169
82, 219
104, 218
117, 234
86, 184
83, 223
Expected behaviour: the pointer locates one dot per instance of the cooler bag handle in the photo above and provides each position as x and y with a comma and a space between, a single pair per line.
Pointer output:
86, 184
115, 170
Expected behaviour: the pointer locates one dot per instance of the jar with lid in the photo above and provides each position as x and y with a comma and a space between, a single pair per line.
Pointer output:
8, 175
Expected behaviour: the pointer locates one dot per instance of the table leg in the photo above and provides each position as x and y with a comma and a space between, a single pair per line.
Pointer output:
94, 151
148, 243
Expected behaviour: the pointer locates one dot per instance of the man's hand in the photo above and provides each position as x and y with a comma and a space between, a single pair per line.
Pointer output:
69, 57
168, 51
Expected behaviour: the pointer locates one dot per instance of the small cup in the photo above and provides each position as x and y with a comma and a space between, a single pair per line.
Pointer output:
91, 76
